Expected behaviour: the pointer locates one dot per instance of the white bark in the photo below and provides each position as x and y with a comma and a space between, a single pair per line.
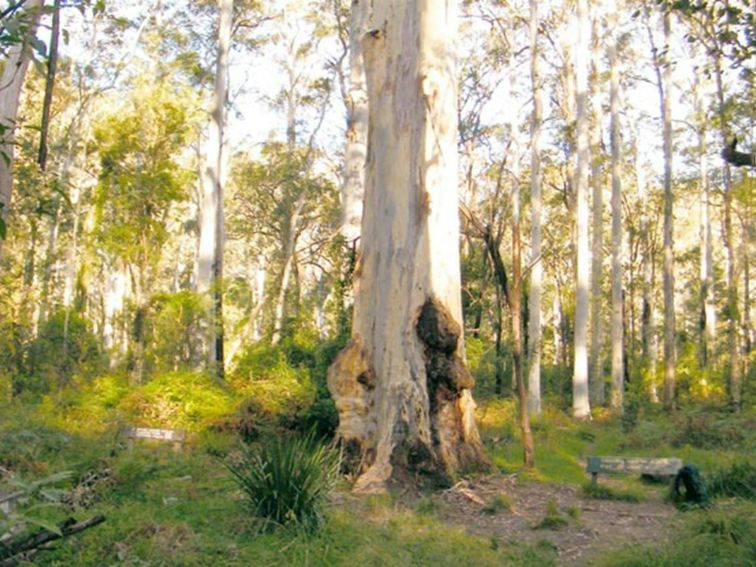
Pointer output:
536, 274
618, 370
116, 287
210, 261
353, 189
580, 404
11, 81
401, 386
648, 324
706, 265
596, 366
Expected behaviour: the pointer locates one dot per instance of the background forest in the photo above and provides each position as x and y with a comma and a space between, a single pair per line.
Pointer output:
181, 199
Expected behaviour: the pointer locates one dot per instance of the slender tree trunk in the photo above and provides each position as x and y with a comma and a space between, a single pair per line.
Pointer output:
618, 370
210, 263
401, 385
536, 274
11, 81
648, 333
289, 249
52, 65
580, 405
596, 366
664, 84
669, 258
732, 281
353, 189
517, 327
556, 313
706, 267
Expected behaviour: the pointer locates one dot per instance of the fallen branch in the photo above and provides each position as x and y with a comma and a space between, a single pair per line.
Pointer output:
29, 544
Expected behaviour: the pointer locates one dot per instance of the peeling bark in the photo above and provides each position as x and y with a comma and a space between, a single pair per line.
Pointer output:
403, 399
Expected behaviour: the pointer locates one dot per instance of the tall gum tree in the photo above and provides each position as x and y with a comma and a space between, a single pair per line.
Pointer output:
401, 385
596, 366
618, 369
536, 273
11, 80
210, 260
580, 405
353, 188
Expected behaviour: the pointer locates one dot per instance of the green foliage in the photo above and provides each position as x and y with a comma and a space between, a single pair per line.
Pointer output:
603, 492
286, 481
700, 427
22, 447
190, 400
285, 386
140, 177
173, 331
64, 348
13, 341
37, 500
88, 405
735, 480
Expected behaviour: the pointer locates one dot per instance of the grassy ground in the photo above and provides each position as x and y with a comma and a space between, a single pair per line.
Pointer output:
171, 509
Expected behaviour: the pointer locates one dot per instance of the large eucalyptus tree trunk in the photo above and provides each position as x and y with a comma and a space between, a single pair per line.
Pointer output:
580, 405
210, 263
353, 189
11, 81
618, 368
401, 386
536, 274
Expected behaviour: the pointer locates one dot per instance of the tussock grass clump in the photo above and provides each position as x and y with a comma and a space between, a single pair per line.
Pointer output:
602, 492
552, 520
498, 504
736, 480
286, 481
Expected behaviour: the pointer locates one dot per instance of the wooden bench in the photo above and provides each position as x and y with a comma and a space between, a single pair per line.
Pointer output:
175, 436
628, 465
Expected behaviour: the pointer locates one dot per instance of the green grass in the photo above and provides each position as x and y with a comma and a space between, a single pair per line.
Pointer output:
603, 492
721, 537
167, 509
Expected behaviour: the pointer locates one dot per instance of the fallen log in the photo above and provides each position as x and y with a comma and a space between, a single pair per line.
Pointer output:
22, 547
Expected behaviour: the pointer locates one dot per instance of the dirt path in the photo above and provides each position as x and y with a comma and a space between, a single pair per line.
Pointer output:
594, 527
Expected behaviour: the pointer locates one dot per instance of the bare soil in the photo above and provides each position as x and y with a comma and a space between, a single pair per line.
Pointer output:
592, 528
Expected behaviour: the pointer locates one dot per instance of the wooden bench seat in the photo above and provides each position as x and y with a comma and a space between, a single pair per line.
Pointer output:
175, 436
633, 465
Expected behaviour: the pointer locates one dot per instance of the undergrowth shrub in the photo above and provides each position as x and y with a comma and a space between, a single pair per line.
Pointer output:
707, 428
736, 480
174, 334
65, 348
286, 481
189, 400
